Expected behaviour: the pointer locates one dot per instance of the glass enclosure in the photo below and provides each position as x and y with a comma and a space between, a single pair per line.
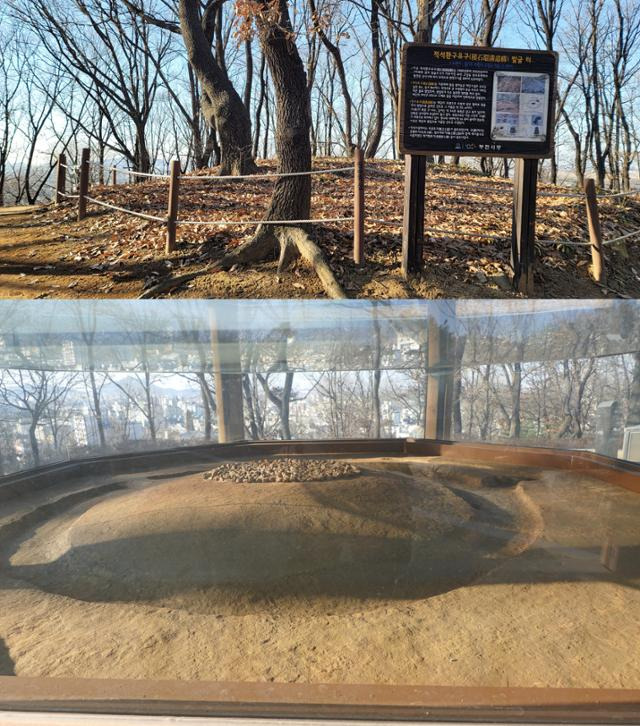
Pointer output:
84, 378
407, 494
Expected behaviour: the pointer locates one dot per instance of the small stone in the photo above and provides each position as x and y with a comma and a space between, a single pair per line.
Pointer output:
281, 470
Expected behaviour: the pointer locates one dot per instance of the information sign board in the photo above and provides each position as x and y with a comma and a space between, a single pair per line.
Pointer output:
473, 101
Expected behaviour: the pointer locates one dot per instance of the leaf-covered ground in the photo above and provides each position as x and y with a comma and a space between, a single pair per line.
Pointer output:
51, 254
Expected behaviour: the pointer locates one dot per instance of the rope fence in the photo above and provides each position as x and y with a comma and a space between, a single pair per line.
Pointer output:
175, 177
629, 235
480, 235
100, 203
255, 222
589, 196
223, 178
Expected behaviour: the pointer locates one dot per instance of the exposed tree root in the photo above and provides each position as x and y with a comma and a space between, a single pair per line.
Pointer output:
293, 242
168, 284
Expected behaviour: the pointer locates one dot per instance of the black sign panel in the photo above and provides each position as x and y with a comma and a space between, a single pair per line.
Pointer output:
474, 101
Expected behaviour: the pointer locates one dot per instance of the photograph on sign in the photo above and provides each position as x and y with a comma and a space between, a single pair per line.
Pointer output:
519, 109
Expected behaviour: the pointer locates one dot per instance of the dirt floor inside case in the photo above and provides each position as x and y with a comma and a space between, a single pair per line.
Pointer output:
403, 571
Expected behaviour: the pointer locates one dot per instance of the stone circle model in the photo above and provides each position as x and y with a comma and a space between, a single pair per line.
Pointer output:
279, 470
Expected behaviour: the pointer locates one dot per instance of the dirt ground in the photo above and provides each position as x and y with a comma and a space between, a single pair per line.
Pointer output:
417, 572
109, 254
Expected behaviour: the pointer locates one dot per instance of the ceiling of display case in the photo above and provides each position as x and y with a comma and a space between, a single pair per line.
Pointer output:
181, 336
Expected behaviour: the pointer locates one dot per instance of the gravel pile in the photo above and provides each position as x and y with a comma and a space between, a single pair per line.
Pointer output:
268, 470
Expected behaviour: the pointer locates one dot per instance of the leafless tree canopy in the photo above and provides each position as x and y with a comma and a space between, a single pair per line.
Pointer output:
221, 83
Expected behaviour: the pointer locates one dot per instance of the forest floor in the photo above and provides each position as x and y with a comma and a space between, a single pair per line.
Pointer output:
413, 572
110, 254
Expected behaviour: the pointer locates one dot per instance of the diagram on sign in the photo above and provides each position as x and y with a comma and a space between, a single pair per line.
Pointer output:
520, 106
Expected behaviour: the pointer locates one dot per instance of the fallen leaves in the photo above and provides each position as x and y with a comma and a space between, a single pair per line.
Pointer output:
114, 247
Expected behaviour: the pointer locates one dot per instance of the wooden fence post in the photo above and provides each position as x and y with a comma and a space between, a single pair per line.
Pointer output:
415, 169
172, 207
83, 188
595, 231
523, 228
114, 176
61, 178
358, 205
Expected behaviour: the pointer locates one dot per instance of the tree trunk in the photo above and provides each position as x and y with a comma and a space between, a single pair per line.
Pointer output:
222, 106
97, 408
35, 451
377, 374
261, 97
291, 197
335, 53
204, 393
457, 385
248, 396
149, 409
378, 94
554, 169
285, 406
142, 156
248, 76
516, 391
267, 126
633, 417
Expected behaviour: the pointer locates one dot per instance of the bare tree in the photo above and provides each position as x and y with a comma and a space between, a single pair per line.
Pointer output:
10, 83
105, 48
138, 391
199, 24
32, 393
291, 198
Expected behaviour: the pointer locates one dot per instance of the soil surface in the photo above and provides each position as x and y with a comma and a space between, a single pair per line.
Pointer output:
110, 254
414, 571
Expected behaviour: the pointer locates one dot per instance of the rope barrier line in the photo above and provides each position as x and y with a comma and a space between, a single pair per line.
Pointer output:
251, 223
126, 211
635, 233
204, 177
269, 175
468, 187
631, 193
383, 221
351, 168
452, 233
475, 188
562, 195
394, 222
435, 230
129, 171
446, 232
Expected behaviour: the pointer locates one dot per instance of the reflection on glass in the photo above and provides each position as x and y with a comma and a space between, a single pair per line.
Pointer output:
82, 379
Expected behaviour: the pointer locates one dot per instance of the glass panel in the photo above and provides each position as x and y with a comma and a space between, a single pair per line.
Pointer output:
134, 546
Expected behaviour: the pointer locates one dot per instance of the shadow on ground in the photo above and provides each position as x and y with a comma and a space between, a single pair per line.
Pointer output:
7, 666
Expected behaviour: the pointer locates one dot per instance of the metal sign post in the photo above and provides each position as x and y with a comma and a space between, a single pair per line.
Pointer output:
482, 102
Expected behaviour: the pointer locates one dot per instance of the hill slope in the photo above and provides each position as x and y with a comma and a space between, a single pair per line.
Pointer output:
111, 254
